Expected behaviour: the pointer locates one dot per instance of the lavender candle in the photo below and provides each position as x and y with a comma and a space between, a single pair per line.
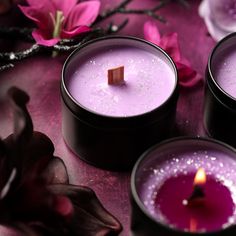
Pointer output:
167, 202
223, 68
110, 125
149, 81
220, 97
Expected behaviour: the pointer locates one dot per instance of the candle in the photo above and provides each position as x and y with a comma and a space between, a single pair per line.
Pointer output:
149, 80
168, 201
220, 97
119, 97
223, 68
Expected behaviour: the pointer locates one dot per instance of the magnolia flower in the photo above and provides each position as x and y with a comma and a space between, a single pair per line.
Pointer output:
187, 76
60, 19
219, 16
35, 195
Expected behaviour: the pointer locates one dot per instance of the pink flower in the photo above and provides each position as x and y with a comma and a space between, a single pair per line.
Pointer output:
187, 76
219, 17
60, 19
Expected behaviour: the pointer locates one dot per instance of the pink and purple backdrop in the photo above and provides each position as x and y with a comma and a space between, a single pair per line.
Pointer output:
40, 76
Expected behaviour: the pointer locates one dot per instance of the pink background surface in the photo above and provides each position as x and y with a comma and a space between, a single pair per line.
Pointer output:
40, 76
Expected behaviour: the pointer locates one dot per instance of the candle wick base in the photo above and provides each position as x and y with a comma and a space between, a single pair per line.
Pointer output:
197, 198
116, 76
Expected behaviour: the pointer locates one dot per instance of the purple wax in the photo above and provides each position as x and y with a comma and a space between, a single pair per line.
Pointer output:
224, 66
210, 215
164, 179
149, 78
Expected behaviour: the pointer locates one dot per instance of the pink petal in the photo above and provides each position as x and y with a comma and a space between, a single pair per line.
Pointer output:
74, 32
84, 13
63, 206
42, 3
92, 217
39, 16
185, 61
40, 38
55, 172
64, 5
223, 14
215, 31
171, 45
188, 77
151, 32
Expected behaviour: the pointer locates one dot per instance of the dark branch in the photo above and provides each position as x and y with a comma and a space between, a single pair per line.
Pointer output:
66, 45
111, 12
5, 67
146, 12
112, 28
121, 8
14, 32
16, 56
185, 3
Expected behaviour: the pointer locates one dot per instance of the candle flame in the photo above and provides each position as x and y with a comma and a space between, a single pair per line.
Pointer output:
200, 177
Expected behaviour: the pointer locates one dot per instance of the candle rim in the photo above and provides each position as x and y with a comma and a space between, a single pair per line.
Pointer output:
210, 70
141, 205
77, 104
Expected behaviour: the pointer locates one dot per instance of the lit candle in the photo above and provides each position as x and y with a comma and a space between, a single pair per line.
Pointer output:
197, 196
185, 185
220, 99
119, 97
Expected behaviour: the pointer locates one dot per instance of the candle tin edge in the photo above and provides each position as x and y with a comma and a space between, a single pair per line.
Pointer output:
218, 91
76, 107
219, 107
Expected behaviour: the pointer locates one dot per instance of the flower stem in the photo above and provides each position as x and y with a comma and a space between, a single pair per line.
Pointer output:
57, 21
57, 24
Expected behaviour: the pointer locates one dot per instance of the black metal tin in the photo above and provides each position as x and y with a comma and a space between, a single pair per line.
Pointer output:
219, 107
142, 222
109, 142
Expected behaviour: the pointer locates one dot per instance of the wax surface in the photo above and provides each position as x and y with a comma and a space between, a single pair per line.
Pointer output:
166, 179
149, 81
224, 70
208, 215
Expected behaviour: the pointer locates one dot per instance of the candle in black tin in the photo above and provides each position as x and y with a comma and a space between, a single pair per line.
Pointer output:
109, 124
220, 92
168, 201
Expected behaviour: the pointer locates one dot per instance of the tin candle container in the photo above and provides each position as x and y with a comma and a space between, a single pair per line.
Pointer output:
162, 180
109, 126
220, 91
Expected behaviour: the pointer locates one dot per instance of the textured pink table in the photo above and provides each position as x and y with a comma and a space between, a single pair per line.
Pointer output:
40, 77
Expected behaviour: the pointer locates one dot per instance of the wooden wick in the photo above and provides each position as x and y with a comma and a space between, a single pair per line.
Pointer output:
196, 198
116, 75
